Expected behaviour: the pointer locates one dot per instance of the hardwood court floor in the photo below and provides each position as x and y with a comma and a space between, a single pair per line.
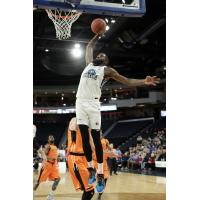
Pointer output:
124, 186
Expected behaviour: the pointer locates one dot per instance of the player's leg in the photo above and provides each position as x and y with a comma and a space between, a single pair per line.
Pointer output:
72, 168
79, 175
83, 123
106, 175
98, 149
88, 151
115, 166
50, 195
100, 194
55, 176
43, 175
83, 174
84, 129
55, 183
87, 195
99, 154
95, 124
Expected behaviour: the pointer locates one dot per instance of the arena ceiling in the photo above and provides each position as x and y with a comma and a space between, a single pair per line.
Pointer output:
136, 46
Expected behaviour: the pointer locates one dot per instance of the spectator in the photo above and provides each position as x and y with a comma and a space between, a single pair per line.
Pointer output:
144, 142
139, 140
139, 161
63, 147
150, 165
145, 161
156, 141
112, 162
151, 146
145, 152
162, 156
125, 158
119, 157
158, 152
132, 160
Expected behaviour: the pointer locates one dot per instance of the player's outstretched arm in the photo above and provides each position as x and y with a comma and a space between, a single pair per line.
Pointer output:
89, 49
149, 80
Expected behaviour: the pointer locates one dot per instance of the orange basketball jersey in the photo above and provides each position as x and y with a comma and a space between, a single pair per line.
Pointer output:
50, 168
77, 162
53, 152
75, 142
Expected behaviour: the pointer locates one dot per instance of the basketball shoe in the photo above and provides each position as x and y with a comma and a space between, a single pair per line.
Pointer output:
100, 183
50, 196
92, 174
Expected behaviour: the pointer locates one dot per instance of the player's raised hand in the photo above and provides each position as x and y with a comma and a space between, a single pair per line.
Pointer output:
151, 80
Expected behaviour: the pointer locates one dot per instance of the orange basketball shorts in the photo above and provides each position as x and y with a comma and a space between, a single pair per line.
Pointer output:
79, 172
49, 171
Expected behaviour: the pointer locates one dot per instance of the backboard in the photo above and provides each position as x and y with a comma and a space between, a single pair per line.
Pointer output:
124, 8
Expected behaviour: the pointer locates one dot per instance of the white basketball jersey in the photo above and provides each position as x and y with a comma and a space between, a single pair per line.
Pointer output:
91, 82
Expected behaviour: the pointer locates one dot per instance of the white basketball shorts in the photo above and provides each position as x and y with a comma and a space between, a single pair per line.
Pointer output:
88, 113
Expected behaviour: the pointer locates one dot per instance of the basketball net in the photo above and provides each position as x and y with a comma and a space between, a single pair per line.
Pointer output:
63, 21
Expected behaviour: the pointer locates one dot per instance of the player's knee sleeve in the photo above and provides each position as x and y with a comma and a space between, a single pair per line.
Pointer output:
98, 146
88, 195
86, 142
55, 184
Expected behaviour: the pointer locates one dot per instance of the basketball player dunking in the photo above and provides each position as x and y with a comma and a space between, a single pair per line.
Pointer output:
88, 111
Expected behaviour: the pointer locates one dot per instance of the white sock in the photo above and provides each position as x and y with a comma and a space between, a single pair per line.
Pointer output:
100, 168
90, 164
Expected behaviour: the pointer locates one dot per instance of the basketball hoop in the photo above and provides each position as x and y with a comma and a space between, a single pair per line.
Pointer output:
63, 21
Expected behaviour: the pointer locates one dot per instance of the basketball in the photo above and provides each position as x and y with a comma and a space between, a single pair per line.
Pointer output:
98, 26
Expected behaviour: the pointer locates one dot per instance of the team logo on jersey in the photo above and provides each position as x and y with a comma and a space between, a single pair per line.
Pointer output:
91, 73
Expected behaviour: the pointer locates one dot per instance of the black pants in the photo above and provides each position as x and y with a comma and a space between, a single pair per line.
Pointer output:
150, 166
124, 163
86, 144
113, 165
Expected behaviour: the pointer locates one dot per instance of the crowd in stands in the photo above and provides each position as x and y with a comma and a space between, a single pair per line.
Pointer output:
143, 155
